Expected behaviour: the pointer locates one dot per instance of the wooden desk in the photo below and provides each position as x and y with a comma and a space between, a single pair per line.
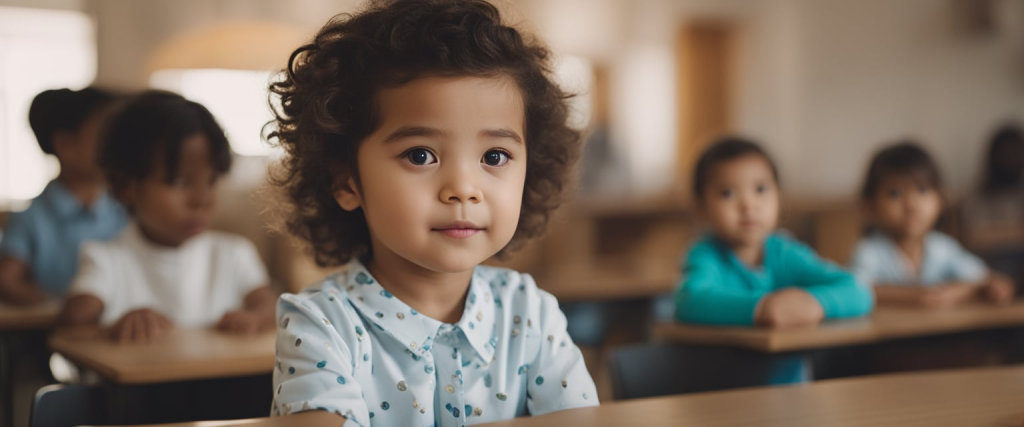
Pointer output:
886, 323
180, 355
25, 318
595, 286
982, 397
971, 397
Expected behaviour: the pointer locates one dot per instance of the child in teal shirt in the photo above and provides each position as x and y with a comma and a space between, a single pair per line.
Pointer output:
745, 273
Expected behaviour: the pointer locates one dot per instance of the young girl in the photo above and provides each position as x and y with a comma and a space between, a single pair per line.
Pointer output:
40, 247
163, 155
423, 138
745, 273
905, 260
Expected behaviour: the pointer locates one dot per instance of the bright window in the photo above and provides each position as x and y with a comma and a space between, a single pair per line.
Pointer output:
237, 99
39, 50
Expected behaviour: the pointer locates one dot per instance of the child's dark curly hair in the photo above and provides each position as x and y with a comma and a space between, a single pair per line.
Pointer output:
327, 106
151, 127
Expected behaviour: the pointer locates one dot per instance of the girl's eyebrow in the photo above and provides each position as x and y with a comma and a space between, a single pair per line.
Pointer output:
412, 131
429, 132
502, 133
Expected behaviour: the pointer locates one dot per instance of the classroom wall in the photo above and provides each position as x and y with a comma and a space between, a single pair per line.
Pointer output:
876, 70
823, 83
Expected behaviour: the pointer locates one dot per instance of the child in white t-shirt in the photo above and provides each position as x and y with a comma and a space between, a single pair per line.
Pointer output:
163, 155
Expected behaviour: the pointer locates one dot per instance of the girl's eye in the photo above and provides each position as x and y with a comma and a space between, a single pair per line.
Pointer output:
892, 194
496, 158
420, 156
761, 189
725, 194
922, 189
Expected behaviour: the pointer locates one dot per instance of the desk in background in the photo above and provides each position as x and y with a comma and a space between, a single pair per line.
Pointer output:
184, 374
885, 324
179, 355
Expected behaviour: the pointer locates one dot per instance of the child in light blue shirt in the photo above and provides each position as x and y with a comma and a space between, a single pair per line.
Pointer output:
39, 249
423, 138
745, 273
905, 259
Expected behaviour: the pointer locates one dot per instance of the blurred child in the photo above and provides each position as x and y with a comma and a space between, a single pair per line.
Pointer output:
993, 218
905, 259
39, 250
163, 155
423, 137
746, 273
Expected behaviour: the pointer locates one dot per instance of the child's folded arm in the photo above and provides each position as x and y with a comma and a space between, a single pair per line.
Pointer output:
558, 377
89, 289
837, 290
15, 286
314, 369
704, 297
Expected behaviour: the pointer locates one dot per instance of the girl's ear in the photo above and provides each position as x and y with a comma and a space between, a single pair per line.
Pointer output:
348, 196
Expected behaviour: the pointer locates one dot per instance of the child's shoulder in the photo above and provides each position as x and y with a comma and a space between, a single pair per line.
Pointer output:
225, 240
511, 286
121, 245
784, 238
37, 214
706, 245
938, 238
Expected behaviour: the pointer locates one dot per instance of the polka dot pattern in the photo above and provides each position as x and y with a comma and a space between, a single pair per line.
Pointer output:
477, 366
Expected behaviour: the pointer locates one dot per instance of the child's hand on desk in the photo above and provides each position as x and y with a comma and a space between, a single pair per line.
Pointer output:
140, 325
999, 289
945, 296
789, 308
242, 322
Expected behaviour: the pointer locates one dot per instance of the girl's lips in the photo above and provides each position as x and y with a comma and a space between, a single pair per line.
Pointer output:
459, 233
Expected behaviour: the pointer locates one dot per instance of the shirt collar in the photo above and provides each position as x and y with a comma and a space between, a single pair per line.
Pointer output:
66, 205
417, 331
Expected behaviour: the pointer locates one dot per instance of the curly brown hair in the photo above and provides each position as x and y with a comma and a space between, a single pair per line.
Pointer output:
328, 106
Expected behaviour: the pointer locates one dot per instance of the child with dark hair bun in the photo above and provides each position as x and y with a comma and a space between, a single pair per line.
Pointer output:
422, 138
39, 249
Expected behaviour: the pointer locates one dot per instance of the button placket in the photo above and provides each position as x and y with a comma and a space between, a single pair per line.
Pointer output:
450, 390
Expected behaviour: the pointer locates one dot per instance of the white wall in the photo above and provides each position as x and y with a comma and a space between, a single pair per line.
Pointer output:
822, 83
876, 70
128, 31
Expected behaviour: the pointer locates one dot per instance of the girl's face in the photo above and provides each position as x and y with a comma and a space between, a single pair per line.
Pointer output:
442, 177
169, 213
905, 207
741, 201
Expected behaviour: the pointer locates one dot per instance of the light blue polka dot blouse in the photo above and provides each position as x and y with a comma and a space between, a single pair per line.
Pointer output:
348, 346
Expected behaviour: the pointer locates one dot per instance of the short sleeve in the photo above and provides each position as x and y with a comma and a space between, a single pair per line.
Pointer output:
251, 273
17, 237
558, 378
314, 370
963, 265
94, 276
